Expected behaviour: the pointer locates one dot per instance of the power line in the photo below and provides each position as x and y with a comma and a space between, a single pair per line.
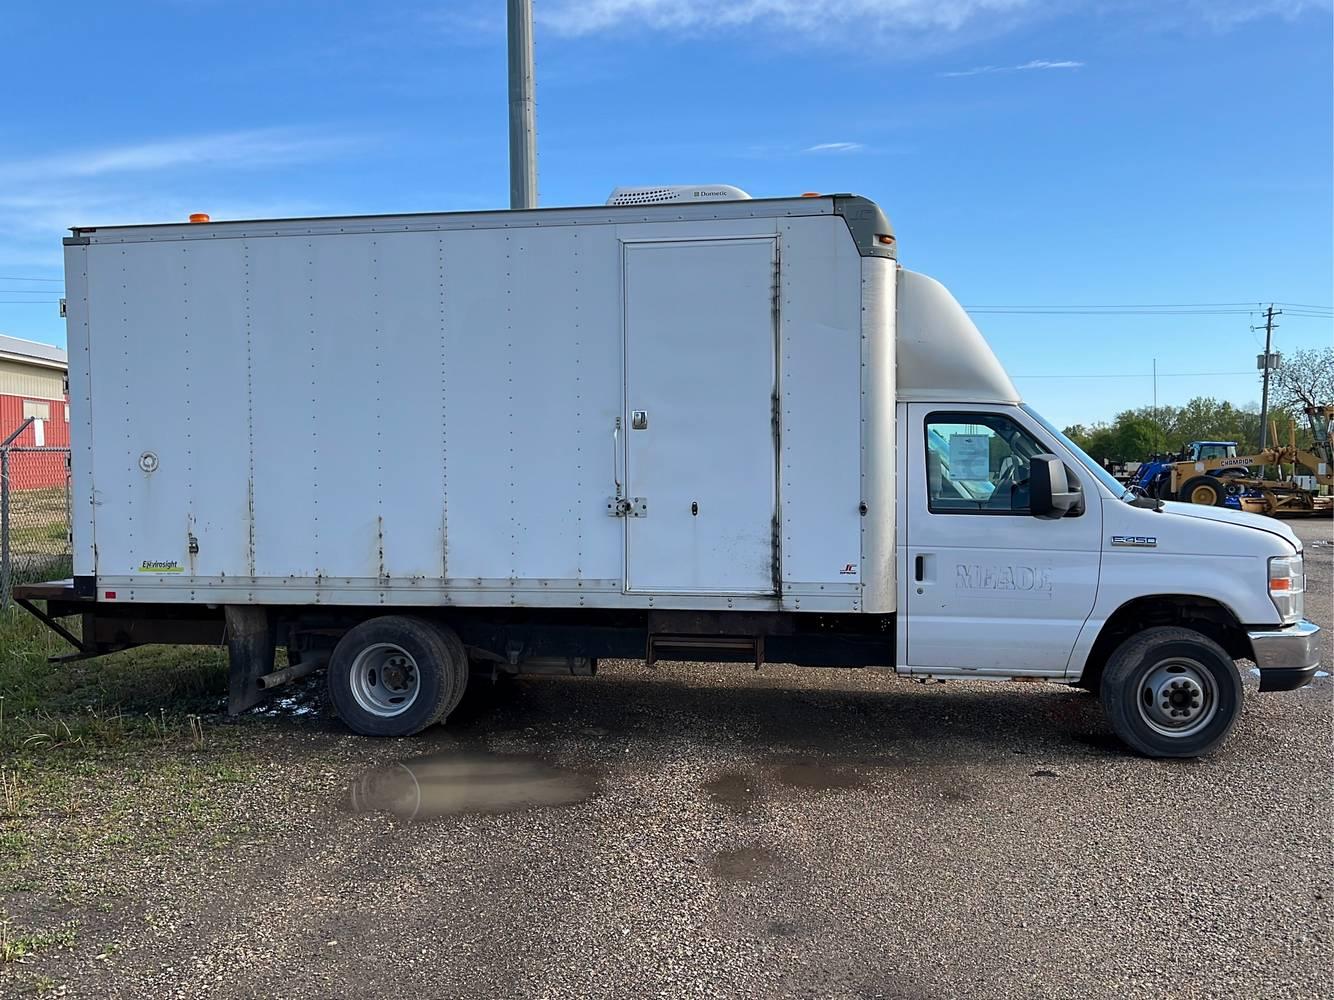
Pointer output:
1252, 306
1136, 375
3, 277
1113, 312
1133, 305
1300, 314
1154, 309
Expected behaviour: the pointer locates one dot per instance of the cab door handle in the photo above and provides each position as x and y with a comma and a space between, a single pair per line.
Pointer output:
919, 565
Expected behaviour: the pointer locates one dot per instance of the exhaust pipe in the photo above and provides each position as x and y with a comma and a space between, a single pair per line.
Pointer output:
308, 665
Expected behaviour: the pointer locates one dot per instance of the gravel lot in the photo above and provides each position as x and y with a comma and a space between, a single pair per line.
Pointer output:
715, 832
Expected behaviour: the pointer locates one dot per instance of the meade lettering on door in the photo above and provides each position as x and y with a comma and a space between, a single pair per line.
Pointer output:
1003, 581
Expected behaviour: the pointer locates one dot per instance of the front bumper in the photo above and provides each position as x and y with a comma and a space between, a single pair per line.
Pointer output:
1287, 657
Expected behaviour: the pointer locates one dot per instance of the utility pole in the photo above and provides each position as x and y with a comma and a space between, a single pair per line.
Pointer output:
1267, 362
523, 106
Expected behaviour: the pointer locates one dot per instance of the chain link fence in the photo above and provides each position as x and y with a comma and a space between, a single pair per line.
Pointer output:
34, 513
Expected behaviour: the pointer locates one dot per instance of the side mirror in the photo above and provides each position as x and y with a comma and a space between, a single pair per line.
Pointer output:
1050, 492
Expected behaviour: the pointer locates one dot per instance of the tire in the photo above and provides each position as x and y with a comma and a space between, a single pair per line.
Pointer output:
394, 676
1206, 491
460, 665
1171, 692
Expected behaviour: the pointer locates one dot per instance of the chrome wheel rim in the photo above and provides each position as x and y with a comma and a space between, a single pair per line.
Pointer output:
385, 680
1178, 697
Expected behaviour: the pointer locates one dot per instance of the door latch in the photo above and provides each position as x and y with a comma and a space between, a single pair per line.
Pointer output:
627, 507
639, 420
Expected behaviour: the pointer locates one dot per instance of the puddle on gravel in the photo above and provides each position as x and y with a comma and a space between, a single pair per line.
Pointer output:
819, 776
452, 783
744, 864
734, 789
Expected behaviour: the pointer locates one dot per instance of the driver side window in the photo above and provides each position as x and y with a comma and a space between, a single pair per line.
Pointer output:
977, 463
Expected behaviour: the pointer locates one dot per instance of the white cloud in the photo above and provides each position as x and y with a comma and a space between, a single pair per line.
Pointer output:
158, 180
1032, 64
932, 19
586, 17
256, 148
834, 147
1224, 14
1050, 64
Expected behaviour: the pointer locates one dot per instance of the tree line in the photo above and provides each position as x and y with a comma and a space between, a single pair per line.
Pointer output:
1305, 379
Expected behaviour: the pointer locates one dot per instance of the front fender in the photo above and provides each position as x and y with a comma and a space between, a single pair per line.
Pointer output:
1237, 583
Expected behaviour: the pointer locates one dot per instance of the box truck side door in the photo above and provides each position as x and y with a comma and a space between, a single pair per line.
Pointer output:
698, 430
990, 587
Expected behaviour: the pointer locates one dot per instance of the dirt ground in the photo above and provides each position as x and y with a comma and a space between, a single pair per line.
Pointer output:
695, 831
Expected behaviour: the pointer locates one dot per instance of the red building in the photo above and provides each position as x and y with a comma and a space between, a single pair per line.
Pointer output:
33, 384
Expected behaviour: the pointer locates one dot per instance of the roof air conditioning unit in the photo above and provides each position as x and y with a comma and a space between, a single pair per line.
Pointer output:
675, 193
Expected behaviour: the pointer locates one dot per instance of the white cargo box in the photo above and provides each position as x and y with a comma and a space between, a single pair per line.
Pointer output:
677, 406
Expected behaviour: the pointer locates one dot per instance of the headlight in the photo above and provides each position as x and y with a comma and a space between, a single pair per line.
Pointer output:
1287, 587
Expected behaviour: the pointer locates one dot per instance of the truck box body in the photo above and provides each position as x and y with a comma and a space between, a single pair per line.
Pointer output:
645, 407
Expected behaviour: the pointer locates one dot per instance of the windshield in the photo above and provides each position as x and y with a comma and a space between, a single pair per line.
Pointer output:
1215, 449
1118, 490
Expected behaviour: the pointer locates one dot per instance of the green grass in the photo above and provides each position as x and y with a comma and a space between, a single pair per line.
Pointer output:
16, 945
148, 693
105, 763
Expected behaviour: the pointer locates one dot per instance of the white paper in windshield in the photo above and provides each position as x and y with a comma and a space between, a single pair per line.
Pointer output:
970, 456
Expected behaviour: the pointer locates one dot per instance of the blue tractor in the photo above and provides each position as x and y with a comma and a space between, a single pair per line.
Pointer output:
1204, 472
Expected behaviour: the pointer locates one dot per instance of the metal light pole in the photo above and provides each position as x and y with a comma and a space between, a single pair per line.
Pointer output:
523, 107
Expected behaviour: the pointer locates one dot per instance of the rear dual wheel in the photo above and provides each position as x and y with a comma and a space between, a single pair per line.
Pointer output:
396, 675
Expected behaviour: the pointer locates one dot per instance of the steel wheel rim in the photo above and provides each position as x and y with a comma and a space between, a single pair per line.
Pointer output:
1178, 697
385, 680
1205, 495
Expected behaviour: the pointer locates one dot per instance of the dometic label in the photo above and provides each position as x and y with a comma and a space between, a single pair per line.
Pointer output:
1003, 581
160, 566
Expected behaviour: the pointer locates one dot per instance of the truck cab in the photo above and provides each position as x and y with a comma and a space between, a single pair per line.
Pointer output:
1022, 558
1203, 451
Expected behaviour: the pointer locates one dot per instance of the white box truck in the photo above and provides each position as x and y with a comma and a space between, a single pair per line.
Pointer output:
686, 423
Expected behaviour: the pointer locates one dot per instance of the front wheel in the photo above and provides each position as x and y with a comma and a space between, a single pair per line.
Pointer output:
1171, 692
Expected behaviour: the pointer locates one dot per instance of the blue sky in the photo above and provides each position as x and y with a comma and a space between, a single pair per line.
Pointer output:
1052, 153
